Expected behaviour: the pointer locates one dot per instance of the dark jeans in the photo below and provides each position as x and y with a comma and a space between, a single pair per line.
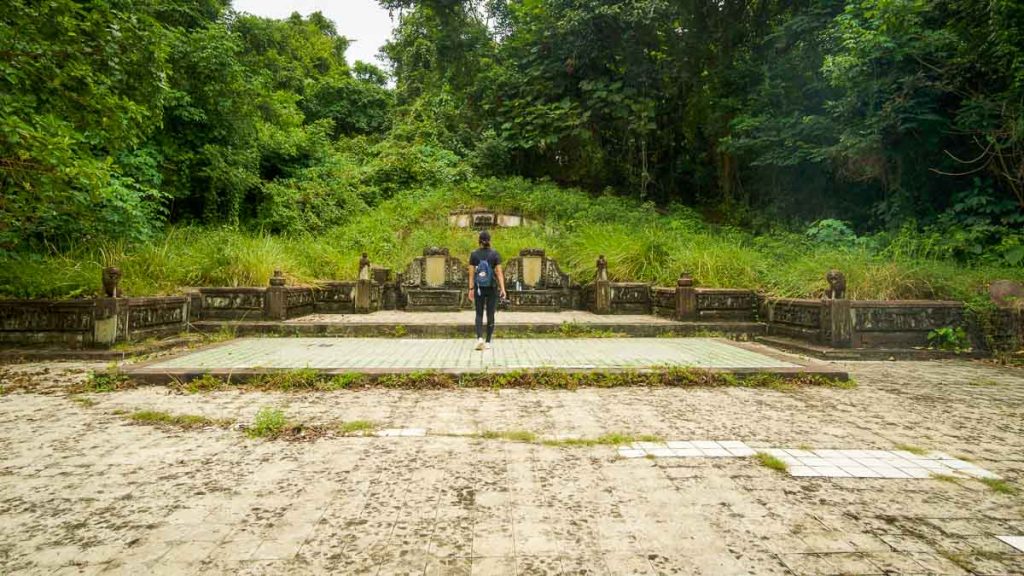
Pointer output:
485, 297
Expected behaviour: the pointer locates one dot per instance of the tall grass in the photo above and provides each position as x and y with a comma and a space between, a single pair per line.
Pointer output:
639, 242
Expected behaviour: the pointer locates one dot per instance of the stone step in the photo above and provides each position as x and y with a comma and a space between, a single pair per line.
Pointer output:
822, 352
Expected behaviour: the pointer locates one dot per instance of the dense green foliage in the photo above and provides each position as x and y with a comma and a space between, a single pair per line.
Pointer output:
753, 143
639, 241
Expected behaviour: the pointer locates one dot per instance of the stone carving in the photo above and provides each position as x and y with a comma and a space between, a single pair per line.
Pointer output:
602, 269
429, 275
299, 297
155, 313
111, 281
906, 318
45, 315
482, 218
1006, 293
663, 298
533, 270
836, 285
737, 300
435, 251
808, 313
277, 279
364, 267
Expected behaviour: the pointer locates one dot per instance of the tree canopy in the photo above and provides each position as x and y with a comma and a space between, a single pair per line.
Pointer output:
118, 116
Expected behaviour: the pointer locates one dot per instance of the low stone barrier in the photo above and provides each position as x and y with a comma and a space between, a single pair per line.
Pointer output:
96, 322
842, 323
241, 303
726, 304
70, 322
793, 318
663, 301
148, 317
336, 298
900, 323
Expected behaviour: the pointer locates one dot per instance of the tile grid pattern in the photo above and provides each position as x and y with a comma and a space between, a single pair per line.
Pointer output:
819, 463
454, 354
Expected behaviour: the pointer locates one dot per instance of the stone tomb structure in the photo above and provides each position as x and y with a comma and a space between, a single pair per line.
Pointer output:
435, 282
535, 283
438, 282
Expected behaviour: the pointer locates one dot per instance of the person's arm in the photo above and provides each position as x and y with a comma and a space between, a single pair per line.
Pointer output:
501, 279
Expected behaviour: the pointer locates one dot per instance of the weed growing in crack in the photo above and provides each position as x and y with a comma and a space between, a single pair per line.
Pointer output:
510, 435
106, 381
999, 486
269, 423
768, 461
356, 428
676, 377
610, 439
184, 421
915, 450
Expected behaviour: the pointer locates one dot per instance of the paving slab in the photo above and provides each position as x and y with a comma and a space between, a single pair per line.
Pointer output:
246, 356
83, 490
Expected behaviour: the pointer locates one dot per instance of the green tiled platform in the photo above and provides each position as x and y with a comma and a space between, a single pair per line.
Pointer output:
377, 355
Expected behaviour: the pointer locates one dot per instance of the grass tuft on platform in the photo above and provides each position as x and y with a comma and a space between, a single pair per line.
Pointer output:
771, 462
184, 421
674, 377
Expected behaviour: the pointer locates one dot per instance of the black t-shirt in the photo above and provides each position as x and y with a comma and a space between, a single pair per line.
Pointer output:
489, 254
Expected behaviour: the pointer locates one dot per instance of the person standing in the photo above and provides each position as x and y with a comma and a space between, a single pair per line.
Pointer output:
486, 285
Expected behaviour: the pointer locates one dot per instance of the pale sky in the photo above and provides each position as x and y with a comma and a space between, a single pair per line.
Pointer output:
363, 22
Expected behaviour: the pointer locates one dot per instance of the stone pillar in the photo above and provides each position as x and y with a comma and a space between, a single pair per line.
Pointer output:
363, 286
686, 298
841, 320
105, 322
275, 303
602, 288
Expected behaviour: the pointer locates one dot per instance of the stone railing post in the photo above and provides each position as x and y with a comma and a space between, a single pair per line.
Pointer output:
105, 322
602, 288
275, 303
686, 298
106, 314
363, 286
837, 313
840, 318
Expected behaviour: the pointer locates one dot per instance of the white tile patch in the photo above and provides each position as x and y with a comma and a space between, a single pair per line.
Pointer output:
1015, 541
818, 463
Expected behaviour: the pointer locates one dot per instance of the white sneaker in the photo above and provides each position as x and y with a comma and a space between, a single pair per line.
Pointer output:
480, 344
487, 345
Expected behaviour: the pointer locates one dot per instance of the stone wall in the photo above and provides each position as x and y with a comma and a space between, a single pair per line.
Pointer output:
1002, 331
630, 298
97, 322
726, 304
793, 318
663, 301
68, 322
861, 323
146, 317
901, 323
299, 301
241, 303
336, 298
